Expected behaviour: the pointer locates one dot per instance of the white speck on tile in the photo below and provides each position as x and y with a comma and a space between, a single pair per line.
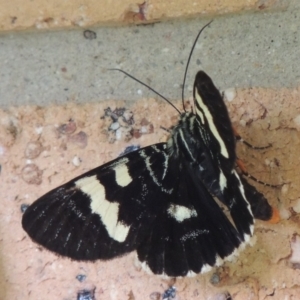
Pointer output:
119, 133
39, 129
139, 92
2, 150
230, 94
76, 161
296, 206
295, 246
297, 121
284, 189
242, 123
144, 129
199, 46
284, 213
283, 285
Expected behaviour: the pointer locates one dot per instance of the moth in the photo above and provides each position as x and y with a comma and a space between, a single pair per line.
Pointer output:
165, 201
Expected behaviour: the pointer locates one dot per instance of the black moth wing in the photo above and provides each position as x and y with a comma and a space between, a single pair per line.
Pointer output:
103, 213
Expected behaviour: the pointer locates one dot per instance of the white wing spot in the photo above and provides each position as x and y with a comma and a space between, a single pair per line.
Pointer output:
211, 124
122, 175
222, 181
181, 213
108, 211
205, 268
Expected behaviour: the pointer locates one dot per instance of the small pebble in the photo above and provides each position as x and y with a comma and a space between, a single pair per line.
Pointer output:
130, 149
32, 174
128, 116
230, 94
81, 277
295, 247
86, 295
215, 279
284, 213
222, 296
284, 189
296, 206
80, 139
68, 128
169, 294
33, 149
119, 134
114, 126
76, 161
23, 207
89, 34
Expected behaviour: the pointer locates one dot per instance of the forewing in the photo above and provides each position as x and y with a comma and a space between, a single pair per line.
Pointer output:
215, 125
105, 212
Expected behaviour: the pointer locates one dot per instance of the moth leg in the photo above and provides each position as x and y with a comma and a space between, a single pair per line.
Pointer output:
245, 173
240, 139
169, 130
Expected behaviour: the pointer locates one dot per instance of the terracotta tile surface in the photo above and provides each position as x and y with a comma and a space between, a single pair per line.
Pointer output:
41, 148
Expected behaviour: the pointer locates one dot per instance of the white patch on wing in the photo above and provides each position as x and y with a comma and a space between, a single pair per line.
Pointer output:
191, 274
211, 124
123, 177
181, 213
219, 261
108, 211
222, 181
205, 268
146, 268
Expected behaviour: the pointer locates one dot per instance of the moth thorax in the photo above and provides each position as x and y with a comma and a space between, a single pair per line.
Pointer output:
182, 141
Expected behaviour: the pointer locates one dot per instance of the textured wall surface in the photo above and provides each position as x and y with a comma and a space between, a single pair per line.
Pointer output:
43, 14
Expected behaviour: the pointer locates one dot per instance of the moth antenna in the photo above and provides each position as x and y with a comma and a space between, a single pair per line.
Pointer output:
188, 62
147, 86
